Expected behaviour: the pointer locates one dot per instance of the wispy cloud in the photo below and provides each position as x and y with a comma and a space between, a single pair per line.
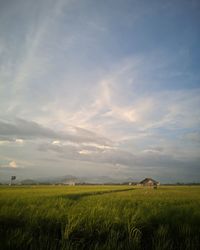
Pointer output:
13, 164
21, 128
108, 89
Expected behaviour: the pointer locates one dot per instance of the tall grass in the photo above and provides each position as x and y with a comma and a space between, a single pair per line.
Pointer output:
99, 217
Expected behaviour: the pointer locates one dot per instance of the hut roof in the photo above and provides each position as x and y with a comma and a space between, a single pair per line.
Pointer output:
146, 180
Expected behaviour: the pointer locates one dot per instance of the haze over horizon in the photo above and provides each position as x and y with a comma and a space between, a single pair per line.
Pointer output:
100, 88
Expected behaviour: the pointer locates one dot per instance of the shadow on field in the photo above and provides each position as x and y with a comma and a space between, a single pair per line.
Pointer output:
79, 196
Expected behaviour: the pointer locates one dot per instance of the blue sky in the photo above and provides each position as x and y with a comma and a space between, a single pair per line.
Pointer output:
95, 88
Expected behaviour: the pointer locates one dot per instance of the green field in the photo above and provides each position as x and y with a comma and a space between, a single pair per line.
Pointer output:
100, 217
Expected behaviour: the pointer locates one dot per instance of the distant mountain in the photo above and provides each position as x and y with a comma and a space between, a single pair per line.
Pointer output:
66, 179
28, 182
54, 180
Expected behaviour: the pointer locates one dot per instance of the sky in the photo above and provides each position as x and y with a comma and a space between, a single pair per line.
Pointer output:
100, 88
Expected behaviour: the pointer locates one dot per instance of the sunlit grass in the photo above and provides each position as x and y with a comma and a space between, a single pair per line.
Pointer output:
99, 217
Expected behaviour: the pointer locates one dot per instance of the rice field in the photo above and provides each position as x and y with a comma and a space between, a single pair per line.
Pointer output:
99, 217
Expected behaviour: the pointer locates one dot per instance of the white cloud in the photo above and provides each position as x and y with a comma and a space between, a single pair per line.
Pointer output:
56, 142
85, 152
20, 141
13, 164
3, 142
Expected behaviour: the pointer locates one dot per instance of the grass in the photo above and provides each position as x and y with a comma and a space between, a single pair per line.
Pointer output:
100, 217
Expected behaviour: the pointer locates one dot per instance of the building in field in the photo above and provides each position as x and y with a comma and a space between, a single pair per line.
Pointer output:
148, 182
70, 182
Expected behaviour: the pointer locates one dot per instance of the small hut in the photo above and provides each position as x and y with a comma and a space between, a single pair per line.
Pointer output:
70, 182
148, 182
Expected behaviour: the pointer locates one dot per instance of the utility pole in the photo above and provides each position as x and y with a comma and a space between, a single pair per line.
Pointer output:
12, 178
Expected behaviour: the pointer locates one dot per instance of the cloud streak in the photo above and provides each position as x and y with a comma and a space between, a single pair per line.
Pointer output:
32, 130
109, 89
